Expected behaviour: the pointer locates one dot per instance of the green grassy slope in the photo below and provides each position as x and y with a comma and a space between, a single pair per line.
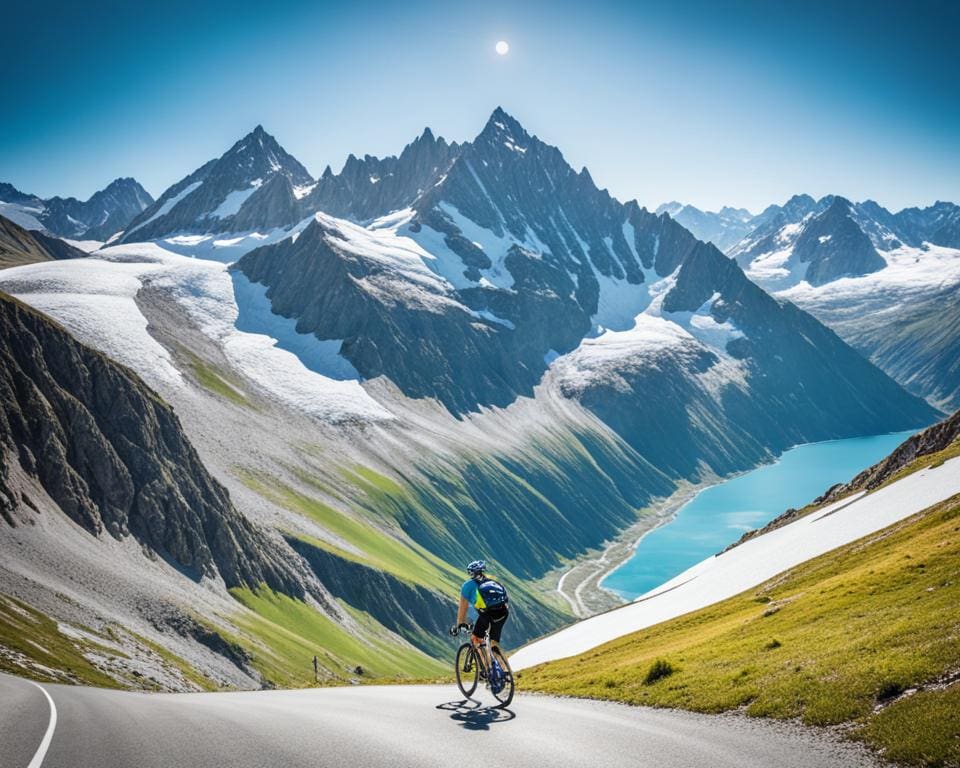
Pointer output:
843, 638
36, 646
284, 634
371, 545
32, 645
390, 544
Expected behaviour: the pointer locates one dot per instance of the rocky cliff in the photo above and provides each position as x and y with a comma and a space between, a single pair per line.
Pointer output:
114, 458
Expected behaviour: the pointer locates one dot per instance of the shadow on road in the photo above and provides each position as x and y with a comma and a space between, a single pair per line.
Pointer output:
470, 715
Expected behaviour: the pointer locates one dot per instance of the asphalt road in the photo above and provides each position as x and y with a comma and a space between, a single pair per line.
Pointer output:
363, 727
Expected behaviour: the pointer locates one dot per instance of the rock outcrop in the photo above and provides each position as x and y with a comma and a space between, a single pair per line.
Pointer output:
114, 458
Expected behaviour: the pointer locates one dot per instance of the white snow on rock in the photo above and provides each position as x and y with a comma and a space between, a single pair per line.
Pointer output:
234, 201
605, 357
753, 562
449, 264
486, 314
227, 247
703, 326
303, 190
22, 215
910, 273
95, 298
164, 209
852, 305
404, 271
775, 270
87, 246
621, 302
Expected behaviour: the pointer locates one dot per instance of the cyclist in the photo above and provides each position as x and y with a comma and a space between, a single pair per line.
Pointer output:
489, 597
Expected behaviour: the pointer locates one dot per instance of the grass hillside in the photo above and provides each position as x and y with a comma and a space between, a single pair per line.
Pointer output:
867, 636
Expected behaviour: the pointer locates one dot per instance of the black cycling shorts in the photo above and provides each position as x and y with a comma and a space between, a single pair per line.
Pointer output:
494, 618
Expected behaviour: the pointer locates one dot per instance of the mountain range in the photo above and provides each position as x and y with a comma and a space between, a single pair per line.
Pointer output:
738, 232
105, 214
887, 283
376, 374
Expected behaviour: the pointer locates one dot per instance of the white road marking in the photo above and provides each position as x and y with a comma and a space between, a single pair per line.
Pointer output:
48, 736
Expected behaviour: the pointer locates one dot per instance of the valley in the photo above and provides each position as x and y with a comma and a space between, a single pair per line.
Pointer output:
398, 384
490, 366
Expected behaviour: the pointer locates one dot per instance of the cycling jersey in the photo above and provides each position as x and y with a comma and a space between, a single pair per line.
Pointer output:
488, 594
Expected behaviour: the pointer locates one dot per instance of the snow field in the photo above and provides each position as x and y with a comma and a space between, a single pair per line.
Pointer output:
95, 298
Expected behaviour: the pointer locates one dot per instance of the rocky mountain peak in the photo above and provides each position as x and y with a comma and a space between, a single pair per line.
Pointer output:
839, 206
259, 154
106, 212
230, 193
834, 245
798, 206
671, 208
10, 194
369, 187
502, 130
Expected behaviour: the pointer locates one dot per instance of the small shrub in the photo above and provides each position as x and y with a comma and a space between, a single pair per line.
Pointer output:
889, 689
658, 670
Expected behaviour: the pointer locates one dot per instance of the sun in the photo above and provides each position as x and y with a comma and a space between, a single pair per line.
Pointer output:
502, 47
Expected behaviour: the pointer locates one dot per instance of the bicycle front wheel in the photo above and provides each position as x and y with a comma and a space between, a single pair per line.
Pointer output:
505, 695
468, 669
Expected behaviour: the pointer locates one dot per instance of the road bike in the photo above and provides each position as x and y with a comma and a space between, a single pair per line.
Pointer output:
471, 668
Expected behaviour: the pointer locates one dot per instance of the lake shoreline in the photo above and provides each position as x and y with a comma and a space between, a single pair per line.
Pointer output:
580, 583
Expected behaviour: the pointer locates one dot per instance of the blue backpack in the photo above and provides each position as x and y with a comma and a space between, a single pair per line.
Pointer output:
494, 594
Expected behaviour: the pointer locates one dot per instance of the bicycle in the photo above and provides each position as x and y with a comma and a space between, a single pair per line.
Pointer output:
471, 667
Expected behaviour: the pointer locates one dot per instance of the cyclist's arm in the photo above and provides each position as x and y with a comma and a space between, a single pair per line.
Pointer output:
462, 611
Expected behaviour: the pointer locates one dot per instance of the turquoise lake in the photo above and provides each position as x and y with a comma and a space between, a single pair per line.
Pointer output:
722, 513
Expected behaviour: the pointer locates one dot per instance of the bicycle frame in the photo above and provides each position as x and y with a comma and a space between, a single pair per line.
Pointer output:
469, 654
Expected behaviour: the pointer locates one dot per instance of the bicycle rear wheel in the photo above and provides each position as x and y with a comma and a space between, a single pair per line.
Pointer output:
468, 669
505, 695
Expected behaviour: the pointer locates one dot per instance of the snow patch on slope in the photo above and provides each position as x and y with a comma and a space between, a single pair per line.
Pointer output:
227, 247
22, 215
164, 209
234, 201
87, 246
910, 272
606, 356
405, 273
705, 327
95, 298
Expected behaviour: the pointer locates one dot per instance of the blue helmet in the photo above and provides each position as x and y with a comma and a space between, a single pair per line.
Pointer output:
477, 566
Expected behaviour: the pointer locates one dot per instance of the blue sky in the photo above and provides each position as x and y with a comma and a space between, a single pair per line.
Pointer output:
740, 103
